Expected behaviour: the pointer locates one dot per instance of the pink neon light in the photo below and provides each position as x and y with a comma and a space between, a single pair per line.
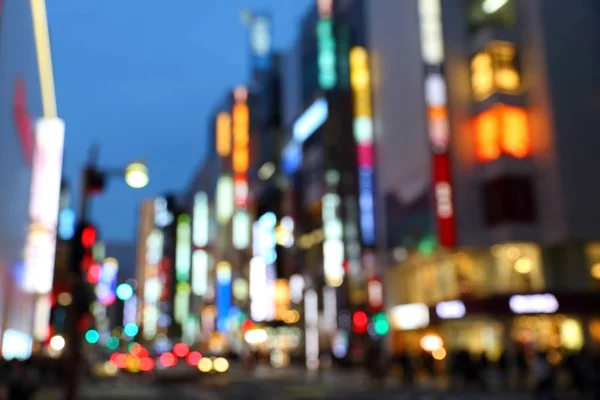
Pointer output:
365, 155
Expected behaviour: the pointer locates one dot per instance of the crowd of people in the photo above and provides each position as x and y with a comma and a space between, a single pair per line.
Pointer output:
541, 372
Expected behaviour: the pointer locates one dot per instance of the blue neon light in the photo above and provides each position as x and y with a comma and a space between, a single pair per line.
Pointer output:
311, 120
66, 224
223, 304
366, 203
291, 159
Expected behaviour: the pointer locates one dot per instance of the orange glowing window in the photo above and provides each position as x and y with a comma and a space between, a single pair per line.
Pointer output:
515, 132
487, 133
502, 130
223, 134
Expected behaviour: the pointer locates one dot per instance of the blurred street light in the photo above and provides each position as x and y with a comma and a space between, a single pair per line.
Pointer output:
136, 175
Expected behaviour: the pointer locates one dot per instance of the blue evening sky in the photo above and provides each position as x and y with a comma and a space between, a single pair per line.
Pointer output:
140, 77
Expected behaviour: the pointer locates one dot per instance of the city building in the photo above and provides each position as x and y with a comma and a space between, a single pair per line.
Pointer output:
484, 143
31, 144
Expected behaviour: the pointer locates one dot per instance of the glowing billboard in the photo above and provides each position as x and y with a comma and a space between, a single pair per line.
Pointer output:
225, 198
223, 295
183, 249
311, 120
44, 206
200, 219
199, 272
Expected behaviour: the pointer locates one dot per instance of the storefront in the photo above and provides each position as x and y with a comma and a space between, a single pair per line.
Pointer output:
537, 321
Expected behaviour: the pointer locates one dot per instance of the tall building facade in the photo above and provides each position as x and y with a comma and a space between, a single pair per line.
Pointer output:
484, 141
31, 141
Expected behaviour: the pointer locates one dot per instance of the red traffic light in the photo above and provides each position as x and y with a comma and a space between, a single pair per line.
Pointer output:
359, 322
88, 237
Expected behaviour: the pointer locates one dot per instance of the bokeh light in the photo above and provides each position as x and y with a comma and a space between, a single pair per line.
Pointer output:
181, 350
92, 336
194, 358
167, 359
112, 343
205, 364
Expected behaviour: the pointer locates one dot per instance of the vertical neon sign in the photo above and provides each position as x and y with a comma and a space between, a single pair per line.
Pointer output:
432, 51
183, 250
333, 246
223, 295
241, 158
360, 79
326, 57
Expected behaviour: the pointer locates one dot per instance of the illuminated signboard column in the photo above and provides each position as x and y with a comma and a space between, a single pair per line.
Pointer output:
43, 206
333, 245
200, 240
326, 57
182, 268
360, 80
240, 162
223, 295
152, 284
262, 268
432, 51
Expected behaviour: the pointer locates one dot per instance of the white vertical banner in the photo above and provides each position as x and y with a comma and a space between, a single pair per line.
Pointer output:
43, 205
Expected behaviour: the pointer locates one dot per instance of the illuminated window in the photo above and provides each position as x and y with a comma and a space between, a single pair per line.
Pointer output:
506, 74
482, 76
502, 130
487, 137
495, 69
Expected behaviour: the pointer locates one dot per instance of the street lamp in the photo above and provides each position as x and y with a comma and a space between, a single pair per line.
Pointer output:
136, 175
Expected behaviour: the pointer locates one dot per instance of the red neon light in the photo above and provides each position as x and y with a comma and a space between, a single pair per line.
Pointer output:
365, 155
23, 120
444, 200
93, 274
240, 185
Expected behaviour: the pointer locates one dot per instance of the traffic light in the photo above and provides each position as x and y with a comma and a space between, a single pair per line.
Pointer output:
94, 181
359, 322
81, 247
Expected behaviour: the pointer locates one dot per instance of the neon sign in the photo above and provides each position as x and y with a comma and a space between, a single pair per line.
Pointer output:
311, 120
363, 136
200, 221
223, 295
183, 249
326, 58
435, 88
333, 245
533, 304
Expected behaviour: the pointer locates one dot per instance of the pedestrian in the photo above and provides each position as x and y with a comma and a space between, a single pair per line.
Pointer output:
542, 377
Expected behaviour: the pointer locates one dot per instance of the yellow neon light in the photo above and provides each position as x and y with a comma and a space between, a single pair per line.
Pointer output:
360, 79
44, 57
223, 134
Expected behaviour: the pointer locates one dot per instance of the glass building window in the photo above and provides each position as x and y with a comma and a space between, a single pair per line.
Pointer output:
490, 14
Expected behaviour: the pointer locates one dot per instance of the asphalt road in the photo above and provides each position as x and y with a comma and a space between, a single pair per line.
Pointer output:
266, 385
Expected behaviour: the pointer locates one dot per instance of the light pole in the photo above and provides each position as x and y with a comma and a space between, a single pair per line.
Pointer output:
94, 178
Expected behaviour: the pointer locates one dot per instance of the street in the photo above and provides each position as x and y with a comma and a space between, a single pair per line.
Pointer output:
267, 384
